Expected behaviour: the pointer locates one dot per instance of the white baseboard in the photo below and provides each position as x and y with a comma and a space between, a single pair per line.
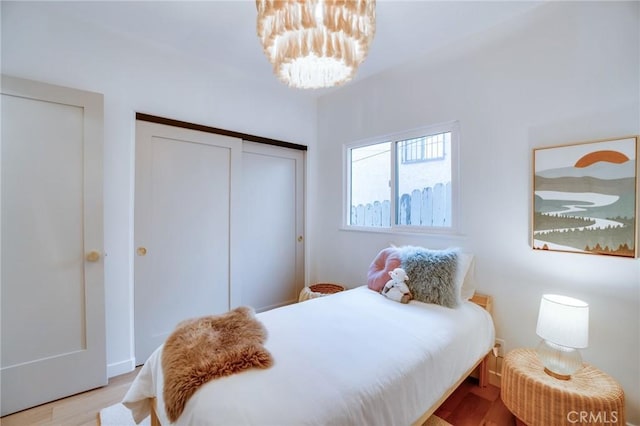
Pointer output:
121, 367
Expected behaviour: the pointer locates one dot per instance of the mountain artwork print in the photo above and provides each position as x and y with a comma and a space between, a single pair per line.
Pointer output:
584, 197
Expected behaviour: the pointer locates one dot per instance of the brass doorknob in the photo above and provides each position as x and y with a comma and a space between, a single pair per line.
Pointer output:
141, 251
93, 256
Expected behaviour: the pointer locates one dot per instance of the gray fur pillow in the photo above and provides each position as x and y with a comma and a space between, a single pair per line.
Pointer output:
431, 274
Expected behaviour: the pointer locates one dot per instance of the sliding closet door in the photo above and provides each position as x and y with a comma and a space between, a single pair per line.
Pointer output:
53, 324
185, 201
271, 237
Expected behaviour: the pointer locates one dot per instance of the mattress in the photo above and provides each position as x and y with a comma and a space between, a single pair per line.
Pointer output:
351, 358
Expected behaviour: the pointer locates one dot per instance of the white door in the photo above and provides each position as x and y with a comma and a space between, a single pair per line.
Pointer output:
273, 224
53, 336
185, 198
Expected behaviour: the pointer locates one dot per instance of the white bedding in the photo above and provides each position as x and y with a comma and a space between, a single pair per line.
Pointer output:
352, 358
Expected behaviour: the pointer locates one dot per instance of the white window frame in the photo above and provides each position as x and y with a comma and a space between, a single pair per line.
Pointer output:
454, 229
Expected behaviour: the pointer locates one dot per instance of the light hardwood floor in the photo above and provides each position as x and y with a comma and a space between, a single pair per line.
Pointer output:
469, 405
77, 410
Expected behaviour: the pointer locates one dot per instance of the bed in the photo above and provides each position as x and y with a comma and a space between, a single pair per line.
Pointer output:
351, 358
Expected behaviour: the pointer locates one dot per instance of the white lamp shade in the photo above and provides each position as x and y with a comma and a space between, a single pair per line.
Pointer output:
564, 321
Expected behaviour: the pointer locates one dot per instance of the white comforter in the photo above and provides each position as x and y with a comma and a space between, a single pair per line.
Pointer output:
352, 358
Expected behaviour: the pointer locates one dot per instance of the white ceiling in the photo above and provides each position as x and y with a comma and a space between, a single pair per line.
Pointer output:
224, 31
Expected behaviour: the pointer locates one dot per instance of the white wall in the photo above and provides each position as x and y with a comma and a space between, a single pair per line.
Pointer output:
566, 72
40, 44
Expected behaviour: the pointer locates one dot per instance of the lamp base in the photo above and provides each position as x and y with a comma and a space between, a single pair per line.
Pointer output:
559, 361
556, 375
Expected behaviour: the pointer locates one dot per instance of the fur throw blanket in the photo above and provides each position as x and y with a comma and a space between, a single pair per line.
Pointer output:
209, 347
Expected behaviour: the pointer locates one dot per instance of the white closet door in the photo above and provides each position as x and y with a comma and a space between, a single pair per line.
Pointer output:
53, 327
184, 203
273, 223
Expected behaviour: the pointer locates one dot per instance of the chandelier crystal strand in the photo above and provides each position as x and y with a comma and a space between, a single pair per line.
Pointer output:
315, 43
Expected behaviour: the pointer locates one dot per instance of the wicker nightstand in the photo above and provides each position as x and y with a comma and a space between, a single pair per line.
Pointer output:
537, 399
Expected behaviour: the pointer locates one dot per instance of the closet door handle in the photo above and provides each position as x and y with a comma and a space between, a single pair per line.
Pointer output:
93, 256
141, 251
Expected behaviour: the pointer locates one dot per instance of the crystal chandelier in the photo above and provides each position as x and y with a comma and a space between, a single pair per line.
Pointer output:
316, 43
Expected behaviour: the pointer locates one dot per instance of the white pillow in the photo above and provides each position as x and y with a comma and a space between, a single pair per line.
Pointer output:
465, 275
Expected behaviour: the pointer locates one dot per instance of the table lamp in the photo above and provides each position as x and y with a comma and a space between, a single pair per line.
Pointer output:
563, 325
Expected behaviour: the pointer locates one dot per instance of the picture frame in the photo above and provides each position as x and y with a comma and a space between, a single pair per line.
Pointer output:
585, 197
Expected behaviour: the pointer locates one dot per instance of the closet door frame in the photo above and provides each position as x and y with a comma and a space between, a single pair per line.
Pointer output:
236, 262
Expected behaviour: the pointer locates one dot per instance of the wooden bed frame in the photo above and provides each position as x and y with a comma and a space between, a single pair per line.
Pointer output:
482, 300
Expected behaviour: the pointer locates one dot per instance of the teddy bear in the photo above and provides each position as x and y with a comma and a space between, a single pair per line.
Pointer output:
395, 288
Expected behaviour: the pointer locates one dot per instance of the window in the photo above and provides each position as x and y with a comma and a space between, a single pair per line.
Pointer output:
404, 182
424, 148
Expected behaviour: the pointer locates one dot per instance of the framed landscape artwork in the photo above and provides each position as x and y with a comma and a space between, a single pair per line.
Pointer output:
584, 197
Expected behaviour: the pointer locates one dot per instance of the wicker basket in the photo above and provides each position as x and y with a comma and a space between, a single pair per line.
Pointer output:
326, 288
319, 290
